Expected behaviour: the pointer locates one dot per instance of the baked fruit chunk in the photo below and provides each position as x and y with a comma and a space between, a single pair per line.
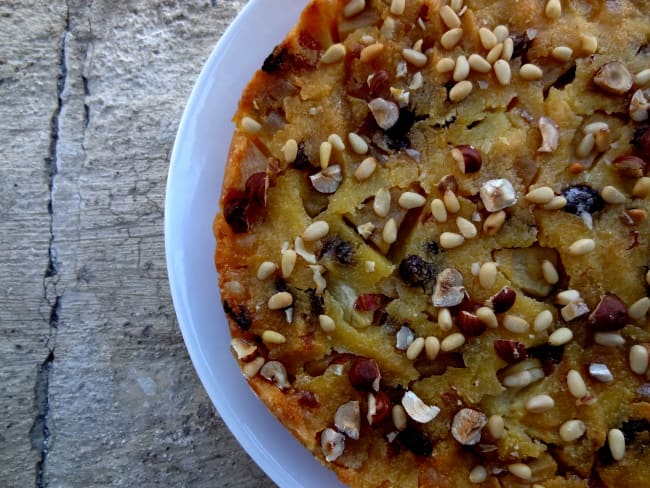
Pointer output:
433, 246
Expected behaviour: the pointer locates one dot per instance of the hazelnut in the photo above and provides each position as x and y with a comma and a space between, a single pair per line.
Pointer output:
377, 81
275, 372
449, 290
448, 183
244, 350
328, 180
609, 314
469, 324
364, 374
332, 444
468, 158
503, 300
630, 166
498, 194
385, 113
639, 106
467, 425
550, 135
379, 407
613, 77
510, 351
348, 419
417, 409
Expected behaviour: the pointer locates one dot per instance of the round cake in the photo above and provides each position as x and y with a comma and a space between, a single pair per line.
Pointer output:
433, 244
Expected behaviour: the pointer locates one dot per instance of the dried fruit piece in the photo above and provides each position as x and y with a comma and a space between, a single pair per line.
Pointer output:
416, 442
609, 314
510, 351
364, 374
368, 302
582, 198
630, 166
415, 271
468, 158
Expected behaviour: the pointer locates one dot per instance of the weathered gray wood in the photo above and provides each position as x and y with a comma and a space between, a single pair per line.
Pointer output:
118, 400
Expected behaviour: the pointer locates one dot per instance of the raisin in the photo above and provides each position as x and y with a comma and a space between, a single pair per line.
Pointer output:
550, 356
274, 61
641, 140
582, 198
521, 45
342, 250
632, 427
415, 271
397, 135
432, 248
235, 207
240, 315
256, 189
301, 161
281, 285
416, 442
316, 302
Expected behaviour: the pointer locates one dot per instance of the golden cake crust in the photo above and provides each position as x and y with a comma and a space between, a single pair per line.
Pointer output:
433, 246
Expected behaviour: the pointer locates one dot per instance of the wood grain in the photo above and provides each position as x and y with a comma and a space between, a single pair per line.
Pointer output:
96, 385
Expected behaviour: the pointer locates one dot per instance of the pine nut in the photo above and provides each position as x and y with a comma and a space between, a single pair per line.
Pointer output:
588, 43
451, 201
381, 203
541, 195
431, 347
495, 53
389, 233
365, 169
493, 222
449, 17
333, 54
325, 152
416, 58
501, 32
252, 368
461, 70
561, 336
410, 199
450, 38
488, 317
586, 145
502, 72
370, 52
642, 77
515, 324
290, 150
616, 442
460, 91
496, 426
479, 64
399, 417
508, 49
316, 230
543, 321
523, 378
487, 38
273, 337
250, 125
530, 72
416, 82
357, 143
540, 403
451, 240
487, 275
567, 296
576, 384
549, 272
572, 430
280, 300
639, 309
445, 65
562, 53
336, 142
466, 228
612, 195
354, 7
397, 7
478, 474
641, 188
582, 246
553, 9
556, 203
265, 270
452, 342
415, 349
609, 339
521, 470
444, 319
638, 359
288, 262
326, 323
438, 210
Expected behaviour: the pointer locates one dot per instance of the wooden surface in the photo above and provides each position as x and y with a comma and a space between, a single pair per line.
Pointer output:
96, 388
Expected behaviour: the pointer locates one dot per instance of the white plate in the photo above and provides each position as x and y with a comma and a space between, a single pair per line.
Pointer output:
193, 187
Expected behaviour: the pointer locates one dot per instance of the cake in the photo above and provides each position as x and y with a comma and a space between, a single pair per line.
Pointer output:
433, 244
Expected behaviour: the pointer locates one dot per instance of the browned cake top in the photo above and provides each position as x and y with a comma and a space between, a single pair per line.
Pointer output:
434, 245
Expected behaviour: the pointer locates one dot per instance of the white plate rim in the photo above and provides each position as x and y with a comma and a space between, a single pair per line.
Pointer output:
191, 201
